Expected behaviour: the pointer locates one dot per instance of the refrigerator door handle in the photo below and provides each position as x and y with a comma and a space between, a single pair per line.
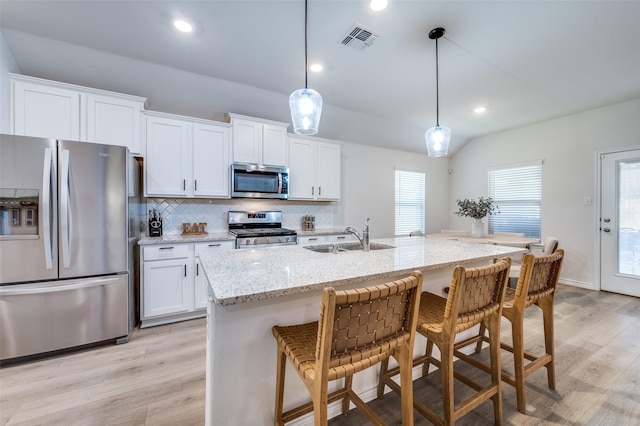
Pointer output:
46, 208
65, 210
18, 290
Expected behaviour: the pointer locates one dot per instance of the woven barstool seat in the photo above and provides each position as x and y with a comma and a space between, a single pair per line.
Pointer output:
356, 330
536, 286
475, 296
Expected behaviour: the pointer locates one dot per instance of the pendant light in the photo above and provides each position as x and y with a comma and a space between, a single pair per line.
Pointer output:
437, 137
305, 104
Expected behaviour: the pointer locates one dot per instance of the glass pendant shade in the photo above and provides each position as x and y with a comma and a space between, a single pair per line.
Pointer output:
306, 108
438, 141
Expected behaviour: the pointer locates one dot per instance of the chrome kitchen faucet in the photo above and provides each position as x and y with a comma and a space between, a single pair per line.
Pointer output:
364, 238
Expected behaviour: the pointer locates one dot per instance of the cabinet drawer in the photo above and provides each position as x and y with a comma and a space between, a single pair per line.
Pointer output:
341, 238
305, 241
169, 251
214, 246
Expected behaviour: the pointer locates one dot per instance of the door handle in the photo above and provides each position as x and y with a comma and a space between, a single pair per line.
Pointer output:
606, 229
65, 209
47, 207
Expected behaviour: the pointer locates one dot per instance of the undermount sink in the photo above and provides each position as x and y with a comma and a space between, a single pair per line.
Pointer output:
338, 248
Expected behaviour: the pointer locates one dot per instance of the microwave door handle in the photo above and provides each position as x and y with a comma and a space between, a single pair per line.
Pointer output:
47, 175
279, 183
65, 210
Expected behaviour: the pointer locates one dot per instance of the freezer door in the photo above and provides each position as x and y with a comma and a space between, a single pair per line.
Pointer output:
28, 215
93, 227
48, 316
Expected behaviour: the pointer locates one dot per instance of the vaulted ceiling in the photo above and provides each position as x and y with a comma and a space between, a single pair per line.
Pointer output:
527, 61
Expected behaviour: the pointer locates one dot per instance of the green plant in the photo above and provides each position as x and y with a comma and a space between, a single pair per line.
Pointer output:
476, 209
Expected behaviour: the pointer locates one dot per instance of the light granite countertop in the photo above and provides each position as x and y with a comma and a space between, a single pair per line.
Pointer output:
245, 275
178, 238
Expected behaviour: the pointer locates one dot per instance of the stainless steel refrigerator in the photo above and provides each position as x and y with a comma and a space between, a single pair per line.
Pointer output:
66, 242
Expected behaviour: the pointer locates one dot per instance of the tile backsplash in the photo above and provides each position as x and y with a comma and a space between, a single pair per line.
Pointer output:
176, 211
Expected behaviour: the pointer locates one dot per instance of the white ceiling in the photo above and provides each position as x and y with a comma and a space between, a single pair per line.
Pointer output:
528, 60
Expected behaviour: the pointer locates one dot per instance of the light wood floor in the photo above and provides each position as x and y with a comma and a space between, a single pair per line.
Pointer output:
158, 377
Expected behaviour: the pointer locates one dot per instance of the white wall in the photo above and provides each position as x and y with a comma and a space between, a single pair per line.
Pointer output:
568, 148
7, 65
368, 187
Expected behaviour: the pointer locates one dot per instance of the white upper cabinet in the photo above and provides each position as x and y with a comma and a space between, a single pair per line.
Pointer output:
210, 160
314, 171
302, 169
51, 109
328, 175
44, 111
114, 121
258, 141
186, 157
274, 145
167, 159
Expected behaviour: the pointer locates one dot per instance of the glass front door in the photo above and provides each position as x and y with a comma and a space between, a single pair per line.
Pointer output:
620, 222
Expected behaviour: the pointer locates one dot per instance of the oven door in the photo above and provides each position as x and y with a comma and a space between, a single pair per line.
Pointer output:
252, 181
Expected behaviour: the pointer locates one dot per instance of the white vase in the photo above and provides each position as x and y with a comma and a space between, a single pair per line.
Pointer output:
477, 228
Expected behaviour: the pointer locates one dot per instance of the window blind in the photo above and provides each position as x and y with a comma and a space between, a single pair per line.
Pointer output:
517, 190
409, 202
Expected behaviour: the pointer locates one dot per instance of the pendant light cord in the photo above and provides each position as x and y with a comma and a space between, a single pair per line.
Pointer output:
305, 43
437, 89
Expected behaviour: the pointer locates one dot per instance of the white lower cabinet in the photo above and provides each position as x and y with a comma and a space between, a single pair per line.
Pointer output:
173, 284
166, 289
326, 239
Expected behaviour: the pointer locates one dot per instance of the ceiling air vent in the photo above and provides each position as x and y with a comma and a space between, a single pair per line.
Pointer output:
359, 37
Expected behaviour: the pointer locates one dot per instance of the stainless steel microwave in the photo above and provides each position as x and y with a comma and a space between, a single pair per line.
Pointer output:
253, 181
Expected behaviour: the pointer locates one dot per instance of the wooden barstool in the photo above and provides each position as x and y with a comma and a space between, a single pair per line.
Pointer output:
357, 329
475, 296
536, 286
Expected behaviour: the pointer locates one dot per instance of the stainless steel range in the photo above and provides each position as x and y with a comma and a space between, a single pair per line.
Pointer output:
260, 229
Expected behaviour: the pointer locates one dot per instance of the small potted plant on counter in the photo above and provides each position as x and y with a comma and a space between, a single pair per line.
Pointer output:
477, 210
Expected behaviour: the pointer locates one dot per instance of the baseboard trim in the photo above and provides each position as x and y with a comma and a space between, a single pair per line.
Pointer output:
581, 284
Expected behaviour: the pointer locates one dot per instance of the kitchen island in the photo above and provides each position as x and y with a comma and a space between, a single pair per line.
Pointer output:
253, 289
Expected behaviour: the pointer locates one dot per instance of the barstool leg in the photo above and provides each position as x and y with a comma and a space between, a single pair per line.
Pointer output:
517, 336
446, 369
384, 366
546, 304
496, 371
280, 372
348, 380
319, 397
406, 383
427, 352
481, 333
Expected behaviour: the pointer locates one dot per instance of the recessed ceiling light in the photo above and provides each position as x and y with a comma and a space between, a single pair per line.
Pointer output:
480, 109
378, 5
183, 25
316, 67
